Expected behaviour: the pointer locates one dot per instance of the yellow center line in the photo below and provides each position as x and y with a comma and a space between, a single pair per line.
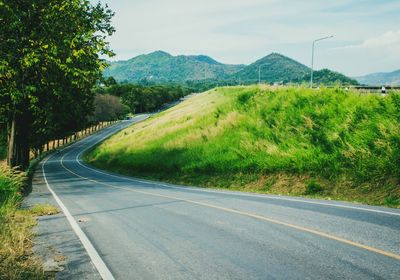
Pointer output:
247, 214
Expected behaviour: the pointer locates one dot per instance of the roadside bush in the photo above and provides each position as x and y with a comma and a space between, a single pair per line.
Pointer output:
392, 201
313, 187
11, 184
243, 98
16, 260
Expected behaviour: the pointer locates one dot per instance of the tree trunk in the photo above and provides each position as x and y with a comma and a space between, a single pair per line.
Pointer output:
18, 144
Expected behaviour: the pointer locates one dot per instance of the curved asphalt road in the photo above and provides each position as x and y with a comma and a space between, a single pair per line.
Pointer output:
137, 229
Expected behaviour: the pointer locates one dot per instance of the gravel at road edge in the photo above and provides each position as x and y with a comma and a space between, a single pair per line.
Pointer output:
55, 242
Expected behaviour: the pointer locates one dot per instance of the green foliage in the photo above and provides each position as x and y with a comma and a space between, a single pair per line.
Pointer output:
141, 99
161, 67
273, 68
392, 201
108, 108
11, 186
329, 134
328, 77
17, 261
49, 63
204, 73
313, 187
244, 98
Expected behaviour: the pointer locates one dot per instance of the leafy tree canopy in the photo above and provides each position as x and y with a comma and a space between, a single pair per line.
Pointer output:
49, 63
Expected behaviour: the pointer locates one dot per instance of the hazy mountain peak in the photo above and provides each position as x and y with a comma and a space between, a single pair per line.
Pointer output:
159, 54
381, 78
205, 59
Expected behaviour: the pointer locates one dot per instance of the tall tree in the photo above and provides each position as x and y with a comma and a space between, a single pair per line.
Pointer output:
50, 59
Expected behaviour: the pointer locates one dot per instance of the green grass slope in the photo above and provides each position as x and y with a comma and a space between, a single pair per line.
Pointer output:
297, 141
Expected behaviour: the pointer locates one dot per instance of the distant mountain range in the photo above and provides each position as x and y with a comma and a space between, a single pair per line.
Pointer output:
379, 79
161, 67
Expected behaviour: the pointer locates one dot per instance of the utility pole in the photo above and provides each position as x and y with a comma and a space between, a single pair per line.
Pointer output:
259, 74
312, 57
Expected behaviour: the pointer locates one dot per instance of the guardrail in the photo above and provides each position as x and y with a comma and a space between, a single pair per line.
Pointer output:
376, 87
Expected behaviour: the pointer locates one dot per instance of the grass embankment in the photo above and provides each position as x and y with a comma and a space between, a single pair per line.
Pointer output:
16, 259
325, 143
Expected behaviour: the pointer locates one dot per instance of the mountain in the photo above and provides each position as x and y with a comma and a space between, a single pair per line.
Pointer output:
329, 77
273, 68
379, 79
161, 67
277, 68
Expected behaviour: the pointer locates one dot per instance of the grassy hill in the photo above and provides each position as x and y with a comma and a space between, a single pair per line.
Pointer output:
296, 141
379, 79
161, 67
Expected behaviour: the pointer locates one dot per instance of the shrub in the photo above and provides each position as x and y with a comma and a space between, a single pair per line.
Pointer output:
11, 184
243, 98
313, 187
392, 201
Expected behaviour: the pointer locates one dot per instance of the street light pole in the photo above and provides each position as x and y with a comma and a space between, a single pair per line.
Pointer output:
312, 57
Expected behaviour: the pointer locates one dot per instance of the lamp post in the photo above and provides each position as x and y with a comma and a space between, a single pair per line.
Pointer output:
312, 57
259, 72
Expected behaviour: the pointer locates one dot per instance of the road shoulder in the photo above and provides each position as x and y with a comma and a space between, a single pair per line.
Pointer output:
55, 243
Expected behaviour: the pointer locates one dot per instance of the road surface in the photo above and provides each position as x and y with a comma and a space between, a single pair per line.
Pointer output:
138, 229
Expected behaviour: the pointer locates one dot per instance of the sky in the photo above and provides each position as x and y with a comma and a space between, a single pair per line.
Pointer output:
366, 32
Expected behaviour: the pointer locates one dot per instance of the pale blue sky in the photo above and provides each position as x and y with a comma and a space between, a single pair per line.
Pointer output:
366, 32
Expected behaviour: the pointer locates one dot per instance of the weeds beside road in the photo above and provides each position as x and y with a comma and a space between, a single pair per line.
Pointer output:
16, 258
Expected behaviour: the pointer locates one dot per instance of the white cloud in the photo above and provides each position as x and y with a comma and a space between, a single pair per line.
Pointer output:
241, 31
388, 41
378, 53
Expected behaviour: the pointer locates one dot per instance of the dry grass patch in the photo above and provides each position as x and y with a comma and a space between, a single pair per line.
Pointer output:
43, 210
16, 258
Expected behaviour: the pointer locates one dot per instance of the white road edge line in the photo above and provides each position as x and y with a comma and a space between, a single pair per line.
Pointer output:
101, 267
77, 159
